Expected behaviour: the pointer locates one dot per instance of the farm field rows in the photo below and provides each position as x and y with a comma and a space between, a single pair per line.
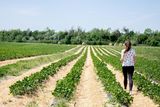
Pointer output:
20, 50
66, 81
19, 67
144, 85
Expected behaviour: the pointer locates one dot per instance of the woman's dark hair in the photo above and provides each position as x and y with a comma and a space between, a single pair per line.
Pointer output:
128, 45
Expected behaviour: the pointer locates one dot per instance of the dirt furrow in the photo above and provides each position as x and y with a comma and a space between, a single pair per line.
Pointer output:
90, 91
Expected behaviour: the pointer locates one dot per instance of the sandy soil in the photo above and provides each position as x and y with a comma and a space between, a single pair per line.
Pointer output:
89, 92
139, 99
11, 61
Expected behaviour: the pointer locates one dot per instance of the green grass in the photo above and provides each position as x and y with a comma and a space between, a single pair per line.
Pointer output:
10, 50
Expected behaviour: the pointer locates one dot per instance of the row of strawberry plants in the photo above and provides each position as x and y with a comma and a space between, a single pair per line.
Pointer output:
66, 87
109, 81
31, 83
143, 84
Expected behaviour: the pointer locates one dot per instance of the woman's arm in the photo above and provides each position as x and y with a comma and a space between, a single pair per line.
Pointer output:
134, 56
122, 56
134, 59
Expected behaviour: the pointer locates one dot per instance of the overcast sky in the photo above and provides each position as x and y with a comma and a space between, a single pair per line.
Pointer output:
64, 14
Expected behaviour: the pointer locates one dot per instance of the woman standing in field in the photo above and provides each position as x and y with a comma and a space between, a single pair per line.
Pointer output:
128, 61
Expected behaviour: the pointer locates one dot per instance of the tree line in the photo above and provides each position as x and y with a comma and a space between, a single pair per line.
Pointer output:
79, 36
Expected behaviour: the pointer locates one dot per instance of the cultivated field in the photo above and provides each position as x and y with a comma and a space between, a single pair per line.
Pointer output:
20, 50
75, 76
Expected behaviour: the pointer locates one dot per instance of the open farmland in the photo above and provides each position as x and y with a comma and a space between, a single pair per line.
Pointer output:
19, 50
73, 74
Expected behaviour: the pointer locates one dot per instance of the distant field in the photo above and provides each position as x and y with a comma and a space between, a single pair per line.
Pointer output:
19, 50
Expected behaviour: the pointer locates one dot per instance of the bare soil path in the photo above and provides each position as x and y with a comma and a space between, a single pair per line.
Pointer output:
90, 91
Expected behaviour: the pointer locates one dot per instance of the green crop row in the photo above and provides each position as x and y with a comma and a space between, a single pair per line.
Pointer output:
31, 83
109, 81
18, 50
67, 86
143, 84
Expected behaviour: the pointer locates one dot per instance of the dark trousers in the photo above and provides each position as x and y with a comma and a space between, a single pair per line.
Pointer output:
128, 70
